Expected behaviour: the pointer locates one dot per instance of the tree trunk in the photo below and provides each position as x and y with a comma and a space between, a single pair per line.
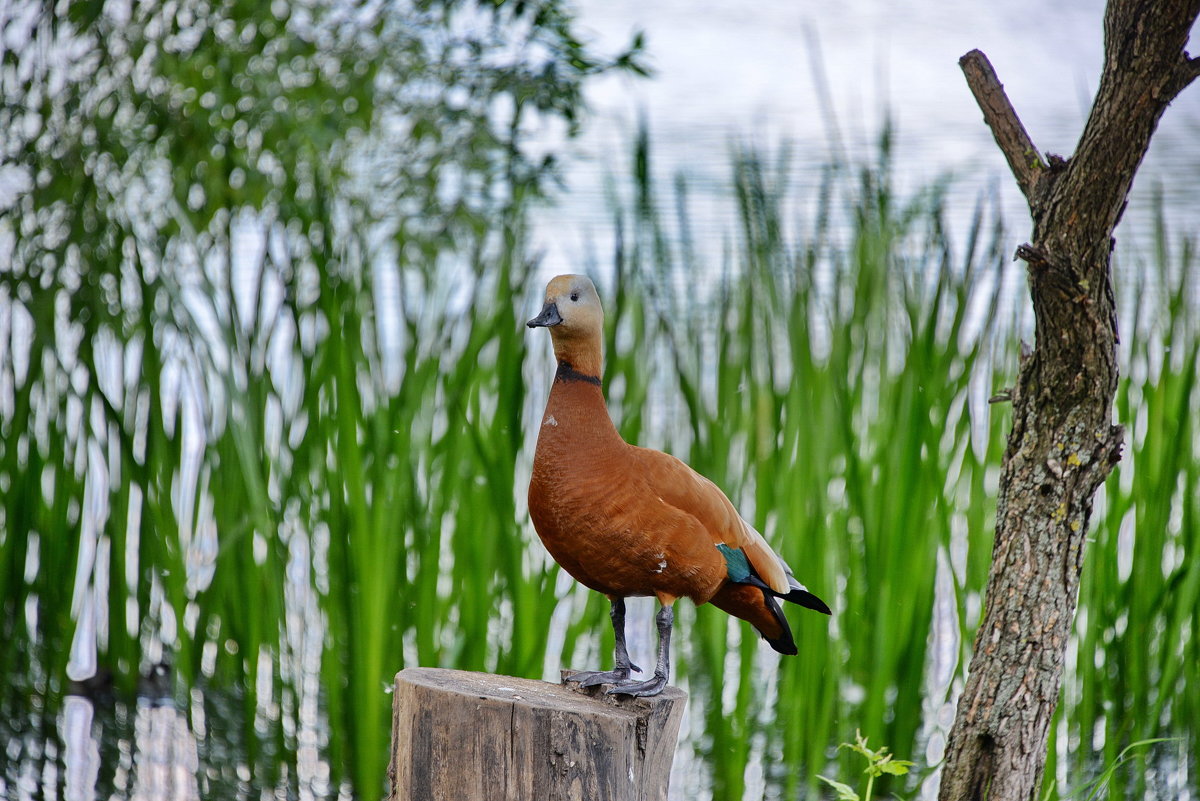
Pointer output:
1063, 444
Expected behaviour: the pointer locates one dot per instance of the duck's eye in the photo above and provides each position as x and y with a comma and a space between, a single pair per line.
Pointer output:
575, 297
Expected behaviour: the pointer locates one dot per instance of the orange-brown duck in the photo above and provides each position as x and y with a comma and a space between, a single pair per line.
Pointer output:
629, 521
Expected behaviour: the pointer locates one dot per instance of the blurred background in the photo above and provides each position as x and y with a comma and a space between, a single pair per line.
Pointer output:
267, 400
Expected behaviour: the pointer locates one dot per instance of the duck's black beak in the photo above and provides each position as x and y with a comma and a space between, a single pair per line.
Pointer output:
549, 316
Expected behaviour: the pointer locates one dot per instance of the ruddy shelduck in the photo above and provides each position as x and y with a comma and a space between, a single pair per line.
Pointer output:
629, 521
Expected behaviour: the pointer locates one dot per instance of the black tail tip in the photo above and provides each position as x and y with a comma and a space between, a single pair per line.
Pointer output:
784, 645
808, 601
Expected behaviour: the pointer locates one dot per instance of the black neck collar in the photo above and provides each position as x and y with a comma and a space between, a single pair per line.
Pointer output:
568, 373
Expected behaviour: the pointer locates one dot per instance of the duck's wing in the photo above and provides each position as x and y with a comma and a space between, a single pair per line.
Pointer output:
685, 489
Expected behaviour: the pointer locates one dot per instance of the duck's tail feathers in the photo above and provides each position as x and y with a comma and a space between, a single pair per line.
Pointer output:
801, 596
757, 606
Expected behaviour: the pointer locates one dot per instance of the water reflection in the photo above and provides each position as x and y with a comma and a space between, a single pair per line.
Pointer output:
164, 753
81, 750
101, 747
828, 84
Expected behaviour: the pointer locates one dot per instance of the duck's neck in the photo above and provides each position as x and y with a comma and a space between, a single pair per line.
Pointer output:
576, 406
568, 372
579, 360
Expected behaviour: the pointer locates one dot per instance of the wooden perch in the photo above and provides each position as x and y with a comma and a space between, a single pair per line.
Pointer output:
464, 736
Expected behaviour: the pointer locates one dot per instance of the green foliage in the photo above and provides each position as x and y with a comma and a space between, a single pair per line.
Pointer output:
1095, 789
879, 762
269, 452
1140, 634
825, 384
265, 401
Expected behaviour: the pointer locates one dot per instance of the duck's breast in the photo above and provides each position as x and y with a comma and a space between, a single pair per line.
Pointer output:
601, 519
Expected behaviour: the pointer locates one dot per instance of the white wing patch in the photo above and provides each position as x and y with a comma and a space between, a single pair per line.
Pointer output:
550, 421
773, 570
662, 563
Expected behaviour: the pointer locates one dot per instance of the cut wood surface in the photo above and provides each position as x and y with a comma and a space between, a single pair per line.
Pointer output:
463, 736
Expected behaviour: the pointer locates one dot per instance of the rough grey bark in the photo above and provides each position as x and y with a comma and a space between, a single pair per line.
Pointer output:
1063, 443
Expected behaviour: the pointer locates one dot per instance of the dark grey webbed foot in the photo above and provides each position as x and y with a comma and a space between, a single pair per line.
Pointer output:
640, 689
620, 676
664, 620
591, 678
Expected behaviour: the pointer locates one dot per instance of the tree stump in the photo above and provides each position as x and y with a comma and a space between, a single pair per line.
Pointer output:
462, 736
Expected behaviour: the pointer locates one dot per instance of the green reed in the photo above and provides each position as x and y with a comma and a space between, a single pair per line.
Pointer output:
823, 383
365, 453
834, 380
1136, 677
289, 475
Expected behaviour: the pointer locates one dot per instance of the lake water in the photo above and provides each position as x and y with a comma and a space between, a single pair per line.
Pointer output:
825, 80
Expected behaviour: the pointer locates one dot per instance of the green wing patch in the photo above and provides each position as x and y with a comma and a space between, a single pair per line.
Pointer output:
736, 564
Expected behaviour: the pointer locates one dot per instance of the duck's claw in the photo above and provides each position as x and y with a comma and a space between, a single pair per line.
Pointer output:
591, 678
640, 689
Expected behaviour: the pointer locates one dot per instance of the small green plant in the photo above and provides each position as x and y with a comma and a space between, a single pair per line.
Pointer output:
879, 762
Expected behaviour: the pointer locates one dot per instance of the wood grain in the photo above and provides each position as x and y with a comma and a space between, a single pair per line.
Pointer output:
463, 736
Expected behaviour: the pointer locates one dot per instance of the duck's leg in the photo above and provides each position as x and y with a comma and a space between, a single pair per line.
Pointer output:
665, 619
590, 678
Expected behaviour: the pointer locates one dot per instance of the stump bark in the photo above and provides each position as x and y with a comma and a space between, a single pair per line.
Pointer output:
462, 736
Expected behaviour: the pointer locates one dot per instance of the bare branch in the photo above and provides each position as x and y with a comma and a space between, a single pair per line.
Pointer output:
1191, 71
1023, 157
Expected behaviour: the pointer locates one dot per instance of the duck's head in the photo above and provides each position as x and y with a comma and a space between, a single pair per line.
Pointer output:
572, 308
573, 314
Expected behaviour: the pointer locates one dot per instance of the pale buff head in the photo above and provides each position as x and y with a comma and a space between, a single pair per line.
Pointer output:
573, 314
572, 309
